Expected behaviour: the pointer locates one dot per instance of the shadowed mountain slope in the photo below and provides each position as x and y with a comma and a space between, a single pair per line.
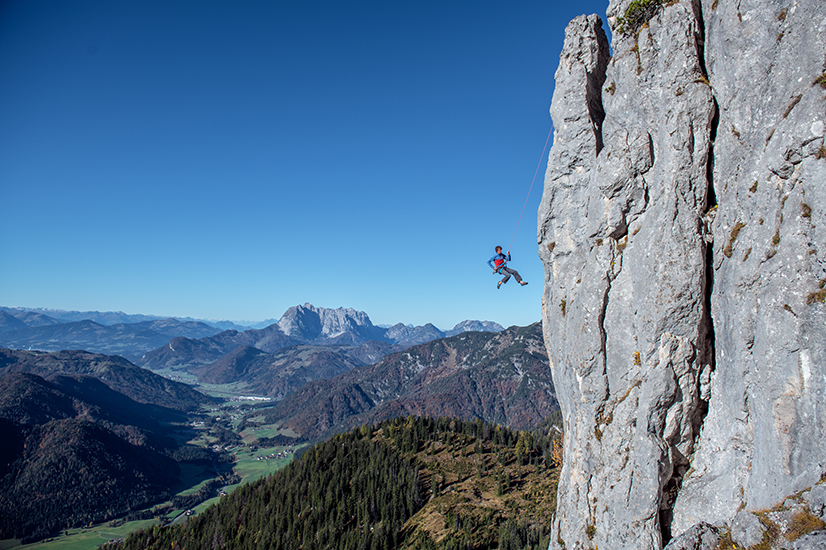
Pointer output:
69, 472
75, 451
116, 372
500, 378
30, 399
10, 322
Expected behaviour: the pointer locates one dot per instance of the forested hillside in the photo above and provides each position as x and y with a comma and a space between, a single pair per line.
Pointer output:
499, 377
116, 372
70, 472
76, 451
404, 483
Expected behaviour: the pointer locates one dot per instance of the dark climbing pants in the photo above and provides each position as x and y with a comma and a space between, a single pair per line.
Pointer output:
508, 272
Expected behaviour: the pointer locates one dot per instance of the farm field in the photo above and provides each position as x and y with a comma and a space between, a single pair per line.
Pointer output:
87, 539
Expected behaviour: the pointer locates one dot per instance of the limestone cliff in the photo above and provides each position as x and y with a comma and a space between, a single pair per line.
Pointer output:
683, 233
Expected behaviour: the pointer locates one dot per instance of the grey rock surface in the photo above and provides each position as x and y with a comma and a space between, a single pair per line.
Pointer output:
699, 537
765, 434
622, 237
682, 229
746, 529
812, 541
816, 498
318, 324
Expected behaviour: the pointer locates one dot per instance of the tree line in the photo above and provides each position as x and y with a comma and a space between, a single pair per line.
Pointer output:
354, 491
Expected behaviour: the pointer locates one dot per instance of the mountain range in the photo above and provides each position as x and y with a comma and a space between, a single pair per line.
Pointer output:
45, 316
129, 340
183, 344
78, 423
499, 377
348, 331
323, 326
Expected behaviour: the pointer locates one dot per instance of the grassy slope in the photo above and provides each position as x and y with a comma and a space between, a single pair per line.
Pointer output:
468, 501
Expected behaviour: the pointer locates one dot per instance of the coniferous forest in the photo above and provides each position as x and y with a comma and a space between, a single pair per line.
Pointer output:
72, 472
404, 483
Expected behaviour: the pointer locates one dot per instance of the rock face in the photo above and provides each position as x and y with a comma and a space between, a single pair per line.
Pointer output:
475, 326
315, 325
682, 233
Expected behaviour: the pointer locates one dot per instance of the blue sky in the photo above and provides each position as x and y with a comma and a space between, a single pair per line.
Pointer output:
228, 160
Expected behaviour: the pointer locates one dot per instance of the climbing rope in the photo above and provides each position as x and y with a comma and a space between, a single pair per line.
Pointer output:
531, 188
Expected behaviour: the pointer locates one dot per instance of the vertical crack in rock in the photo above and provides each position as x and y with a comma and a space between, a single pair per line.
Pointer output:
690, 373
700, 41
711, 196
764, 432
705, 353
603, 354
622, 239
593, 94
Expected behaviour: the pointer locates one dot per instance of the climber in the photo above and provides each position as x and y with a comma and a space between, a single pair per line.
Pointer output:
499, 264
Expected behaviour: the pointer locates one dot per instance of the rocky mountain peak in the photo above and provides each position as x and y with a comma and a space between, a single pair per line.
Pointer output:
475, 326
682, 230
310, 323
